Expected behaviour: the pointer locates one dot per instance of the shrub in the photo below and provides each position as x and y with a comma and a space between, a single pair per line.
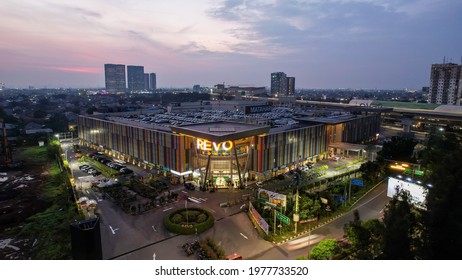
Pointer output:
201, 218
189, 216
177, 219
193, 225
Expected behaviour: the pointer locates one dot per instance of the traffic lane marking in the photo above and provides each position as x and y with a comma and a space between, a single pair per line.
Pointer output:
113, 230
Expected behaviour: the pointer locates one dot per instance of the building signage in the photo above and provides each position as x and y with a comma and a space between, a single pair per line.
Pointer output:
207, 145
257, 109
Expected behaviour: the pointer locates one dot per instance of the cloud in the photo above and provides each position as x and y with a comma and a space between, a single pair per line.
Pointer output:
346, 42
77, 69
287, 25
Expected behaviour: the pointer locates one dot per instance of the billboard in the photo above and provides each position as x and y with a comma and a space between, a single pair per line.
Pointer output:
417, 192
260, 221
272, 198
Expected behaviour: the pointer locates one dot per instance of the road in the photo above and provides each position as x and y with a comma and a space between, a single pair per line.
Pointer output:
235, 233
370, 207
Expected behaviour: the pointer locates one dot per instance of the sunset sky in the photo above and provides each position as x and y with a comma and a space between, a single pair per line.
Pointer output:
387, 44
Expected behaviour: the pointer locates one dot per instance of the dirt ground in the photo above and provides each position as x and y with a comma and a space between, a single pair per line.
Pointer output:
20, 192
19, 197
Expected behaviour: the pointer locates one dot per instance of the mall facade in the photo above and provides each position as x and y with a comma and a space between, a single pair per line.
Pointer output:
220, 153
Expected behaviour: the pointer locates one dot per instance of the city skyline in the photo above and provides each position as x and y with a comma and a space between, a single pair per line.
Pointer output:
323, 44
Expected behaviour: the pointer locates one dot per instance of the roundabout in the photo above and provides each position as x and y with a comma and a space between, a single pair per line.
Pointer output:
189, 221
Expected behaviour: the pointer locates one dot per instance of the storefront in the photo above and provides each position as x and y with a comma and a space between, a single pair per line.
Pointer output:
221, 151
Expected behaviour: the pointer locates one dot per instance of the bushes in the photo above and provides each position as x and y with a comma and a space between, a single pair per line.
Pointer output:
178, 219
197, 219
201, 218
212, 249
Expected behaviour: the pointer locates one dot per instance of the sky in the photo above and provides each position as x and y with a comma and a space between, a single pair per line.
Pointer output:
384, 44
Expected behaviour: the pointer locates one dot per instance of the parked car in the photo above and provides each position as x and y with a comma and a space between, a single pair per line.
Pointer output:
83, 167
118, 167
91, 171
124, 170
104, 160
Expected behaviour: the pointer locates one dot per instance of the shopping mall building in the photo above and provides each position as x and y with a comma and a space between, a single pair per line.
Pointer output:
225, 148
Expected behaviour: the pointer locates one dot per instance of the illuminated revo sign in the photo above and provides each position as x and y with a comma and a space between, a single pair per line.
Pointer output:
207, 145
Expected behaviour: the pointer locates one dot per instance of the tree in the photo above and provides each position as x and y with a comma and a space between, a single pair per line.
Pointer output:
325, 250
365, 238
309, 208
357, 235
401, 240
443, 218
399, 149
58, 122
376, 230
371, 172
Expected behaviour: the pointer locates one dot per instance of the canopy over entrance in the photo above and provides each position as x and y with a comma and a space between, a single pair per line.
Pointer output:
346, 148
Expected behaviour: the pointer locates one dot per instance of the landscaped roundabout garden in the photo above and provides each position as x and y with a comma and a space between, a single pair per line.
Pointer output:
189, 221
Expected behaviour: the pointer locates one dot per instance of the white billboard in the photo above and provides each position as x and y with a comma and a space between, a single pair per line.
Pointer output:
417, 192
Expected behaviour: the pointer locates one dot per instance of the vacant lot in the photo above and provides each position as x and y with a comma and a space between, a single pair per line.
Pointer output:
35, 209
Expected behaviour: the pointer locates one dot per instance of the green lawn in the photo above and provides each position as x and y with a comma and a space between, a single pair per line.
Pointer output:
33, 155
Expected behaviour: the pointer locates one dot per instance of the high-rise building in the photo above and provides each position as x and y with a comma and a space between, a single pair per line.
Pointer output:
146, 81
114, 75
196, 89
152, 81
278, 84
135, 75
445, 84
290, 85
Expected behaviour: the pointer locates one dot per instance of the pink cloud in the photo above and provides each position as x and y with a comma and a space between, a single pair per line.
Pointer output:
77, 69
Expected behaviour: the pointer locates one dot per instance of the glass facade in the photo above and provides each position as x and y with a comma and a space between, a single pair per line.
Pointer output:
229, 161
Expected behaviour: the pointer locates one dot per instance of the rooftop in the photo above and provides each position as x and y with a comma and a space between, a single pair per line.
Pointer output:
221, 131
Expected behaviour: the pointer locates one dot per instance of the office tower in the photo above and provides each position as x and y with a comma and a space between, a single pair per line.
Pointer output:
278, 84
290, 85
152, 81
135, 77
146, 81
114, 75
445, 84
196, 89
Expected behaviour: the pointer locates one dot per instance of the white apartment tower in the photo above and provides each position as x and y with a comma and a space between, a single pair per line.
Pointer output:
445, 84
